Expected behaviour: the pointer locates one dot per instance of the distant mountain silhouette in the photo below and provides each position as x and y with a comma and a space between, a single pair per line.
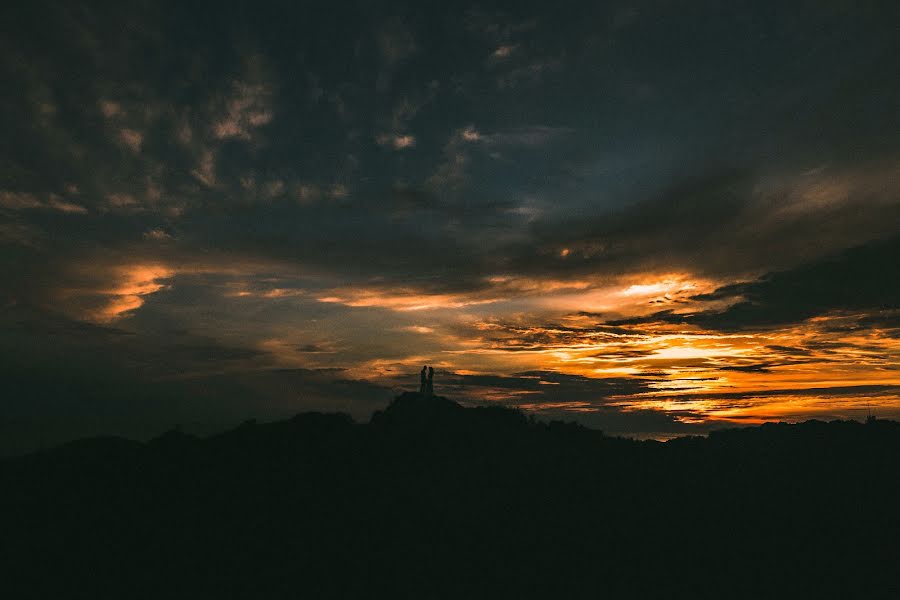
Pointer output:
434, 500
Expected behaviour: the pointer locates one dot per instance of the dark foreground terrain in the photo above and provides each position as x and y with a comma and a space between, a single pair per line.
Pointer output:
431, 500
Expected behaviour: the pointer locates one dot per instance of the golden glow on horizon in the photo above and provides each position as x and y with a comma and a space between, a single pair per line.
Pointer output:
803, 371
790, 372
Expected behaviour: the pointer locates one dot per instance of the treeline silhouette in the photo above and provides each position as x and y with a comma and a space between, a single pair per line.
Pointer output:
433, 500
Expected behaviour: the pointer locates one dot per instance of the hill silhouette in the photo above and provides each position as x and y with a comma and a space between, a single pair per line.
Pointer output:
433, 500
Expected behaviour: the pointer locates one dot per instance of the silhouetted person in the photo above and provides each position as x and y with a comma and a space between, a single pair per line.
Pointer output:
423, 383
429, 384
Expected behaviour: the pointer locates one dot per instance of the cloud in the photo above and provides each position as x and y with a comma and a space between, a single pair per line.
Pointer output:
23, 201
399, 299
740, 221
535, 388
307, 193
564, 175
57, 203
19, 234
206, 169
529, 74
470, 134
131, 138
396, 141
157, 235
19, 201
56, 362
133, 283
95, 291
121, 201
110, 109
504, 51
529, 136
395, 41
418, 329
247, 108
338, 191
854, 280
591, 401
314, 349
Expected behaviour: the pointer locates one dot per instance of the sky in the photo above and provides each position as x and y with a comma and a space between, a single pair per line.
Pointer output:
655, 218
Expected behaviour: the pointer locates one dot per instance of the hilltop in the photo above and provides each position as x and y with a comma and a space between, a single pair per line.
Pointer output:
433, 500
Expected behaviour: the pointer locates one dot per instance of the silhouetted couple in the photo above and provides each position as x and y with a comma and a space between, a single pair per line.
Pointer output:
426, 385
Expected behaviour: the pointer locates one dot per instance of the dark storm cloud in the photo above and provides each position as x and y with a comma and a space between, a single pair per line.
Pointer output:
790, 350
312, 348
848, 390
211, 129
548, 387
725, 222
858, 279
158, 159
755, 368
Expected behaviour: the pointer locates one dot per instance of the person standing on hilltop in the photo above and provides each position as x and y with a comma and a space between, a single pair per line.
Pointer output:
423, 382
429, 387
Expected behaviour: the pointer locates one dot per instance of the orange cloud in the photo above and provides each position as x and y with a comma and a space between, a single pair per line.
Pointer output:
131, 285
804, 371
497, 288
418, 329
400, 299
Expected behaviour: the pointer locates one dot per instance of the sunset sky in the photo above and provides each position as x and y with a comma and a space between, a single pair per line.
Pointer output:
655, 218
